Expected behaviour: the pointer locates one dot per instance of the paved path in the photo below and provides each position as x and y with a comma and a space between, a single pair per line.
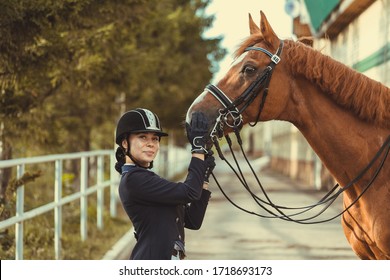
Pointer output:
228, 233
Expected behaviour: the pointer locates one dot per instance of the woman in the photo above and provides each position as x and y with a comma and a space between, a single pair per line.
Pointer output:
158, 208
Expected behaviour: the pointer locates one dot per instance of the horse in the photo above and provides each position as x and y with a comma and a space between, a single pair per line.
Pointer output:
343, 114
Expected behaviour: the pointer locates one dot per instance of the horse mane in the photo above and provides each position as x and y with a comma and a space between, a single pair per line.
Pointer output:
366, 98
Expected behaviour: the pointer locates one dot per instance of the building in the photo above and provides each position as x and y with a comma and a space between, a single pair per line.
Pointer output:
354, 32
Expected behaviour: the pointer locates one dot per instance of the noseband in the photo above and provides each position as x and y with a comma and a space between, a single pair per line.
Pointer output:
230, 115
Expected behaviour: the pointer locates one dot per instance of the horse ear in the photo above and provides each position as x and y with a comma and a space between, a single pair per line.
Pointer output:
308, 41
253, 28
267, 31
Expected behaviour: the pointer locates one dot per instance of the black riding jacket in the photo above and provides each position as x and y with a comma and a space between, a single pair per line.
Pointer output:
160, 209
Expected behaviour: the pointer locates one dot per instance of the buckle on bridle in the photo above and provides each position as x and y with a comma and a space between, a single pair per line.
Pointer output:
275, 59
232, 119
235, 117
217, 131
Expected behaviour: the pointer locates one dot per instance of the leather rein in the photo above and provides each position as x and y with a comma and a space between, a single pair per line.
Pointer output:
231, 116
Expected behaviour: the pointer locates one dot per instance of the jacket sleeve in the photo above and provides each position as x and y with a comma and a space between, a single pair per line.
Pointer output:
147, 187
195, 211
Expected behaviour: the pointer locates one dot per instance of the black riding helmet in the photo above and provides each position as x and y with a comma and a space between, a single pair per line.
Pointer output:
137, 120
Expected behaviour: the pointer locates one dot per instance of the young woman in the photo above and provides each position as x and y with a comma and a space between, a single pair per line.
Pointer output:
158, 208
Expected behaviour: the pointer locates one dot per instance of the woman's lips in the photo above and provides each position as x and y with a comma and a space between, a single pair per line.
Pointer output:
149, 153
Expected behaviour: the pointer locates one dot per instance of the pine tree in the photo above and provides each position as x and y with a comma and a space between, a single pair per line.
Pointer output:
69, 67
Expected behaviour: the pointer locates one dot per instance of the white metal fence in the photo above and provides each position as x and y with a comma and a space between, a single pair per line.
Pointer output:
175, 158
56, 205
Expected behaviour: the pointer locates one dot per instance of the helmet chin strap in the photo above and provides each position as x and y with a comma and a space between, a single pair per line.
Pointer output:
133, 159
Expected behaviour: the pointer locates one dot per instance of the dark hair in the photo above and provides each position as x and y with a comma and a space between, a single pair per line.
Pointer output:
120, 156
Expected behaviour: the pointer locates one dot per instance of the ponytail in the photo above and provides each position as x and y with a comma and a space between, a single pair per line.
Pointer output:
121, 159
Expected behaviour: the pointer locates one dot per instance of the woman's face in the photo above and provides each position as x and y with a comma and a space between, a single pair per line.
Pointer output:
144, 147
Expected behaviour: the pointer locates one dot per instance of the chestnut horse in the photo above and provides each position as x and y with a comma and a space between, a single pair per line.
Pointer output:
344, 116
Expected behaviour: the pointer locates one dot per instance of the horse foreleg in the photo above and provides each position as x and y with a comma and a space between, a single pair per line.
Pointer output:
358, 244
381, 233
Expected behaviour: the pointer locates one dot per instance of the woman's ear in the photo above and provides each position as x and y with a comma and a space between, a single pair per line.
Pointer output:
124, 144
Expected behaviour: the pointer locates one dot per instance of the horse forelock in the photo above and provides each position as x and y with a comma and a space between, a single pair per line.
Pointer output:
366, 98
249, 41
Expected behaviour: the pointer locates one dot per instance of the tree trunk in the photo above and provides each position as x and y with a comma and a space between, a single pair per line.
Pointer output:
5, 153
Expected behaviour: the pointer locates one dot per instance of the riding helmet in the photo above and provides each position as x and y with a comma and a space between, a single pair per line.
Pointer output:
137, 120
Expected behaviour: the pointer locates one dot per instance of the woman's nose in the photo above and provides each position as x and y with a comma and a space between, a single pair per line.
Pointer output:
150, 142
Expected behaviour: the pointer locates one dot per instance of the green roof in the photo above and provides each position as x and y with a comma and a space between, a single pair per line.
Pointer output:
377, 58
319, 10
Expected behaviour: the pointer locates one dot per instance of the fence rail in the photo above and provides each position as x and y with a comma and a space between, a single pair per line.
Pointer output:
173, 156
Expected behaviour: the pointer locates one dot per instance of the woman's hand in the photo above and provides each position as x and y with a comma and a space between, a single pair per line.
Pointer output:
197, 132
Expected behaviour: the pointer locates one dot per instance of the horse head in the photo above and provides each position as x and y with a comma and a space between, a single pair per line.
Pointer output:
250, 91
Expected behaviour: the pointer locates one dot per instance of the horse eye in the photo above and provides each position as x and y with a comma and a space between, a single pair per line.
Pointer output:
249, 70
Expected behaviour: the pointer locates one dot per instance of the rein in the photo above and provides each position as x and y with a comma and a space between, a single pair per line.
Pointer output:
231, 116
268, 206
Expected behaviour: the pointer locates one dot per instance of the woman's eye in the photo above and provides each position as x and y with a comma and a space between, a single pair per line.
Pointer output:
249, 70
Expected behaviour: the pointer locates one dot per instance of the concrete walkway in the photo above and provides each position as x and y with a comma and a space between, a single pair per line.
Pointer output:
228, 233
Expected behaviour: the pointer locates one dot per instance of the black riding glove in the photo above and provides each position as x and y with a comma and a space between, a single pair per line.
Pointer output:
197, 133
210, 163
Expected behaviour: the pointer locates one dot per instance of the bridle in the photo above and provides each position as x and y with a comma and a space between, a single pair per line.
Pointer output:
231, 116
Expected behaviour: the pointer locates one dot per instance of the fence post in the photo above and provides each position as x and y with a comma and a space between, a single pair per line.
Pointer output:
100, 192
294, 152
19, 213
267, 136
58, 209
317, 172
83, 197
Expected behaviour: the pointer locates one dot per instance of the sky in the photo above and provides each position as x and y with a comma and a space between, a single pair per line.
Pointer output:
232, 22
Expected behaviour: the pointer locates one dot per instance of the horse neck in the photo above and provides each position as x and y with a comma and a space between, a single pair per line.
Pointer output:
366, 98
344, 142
